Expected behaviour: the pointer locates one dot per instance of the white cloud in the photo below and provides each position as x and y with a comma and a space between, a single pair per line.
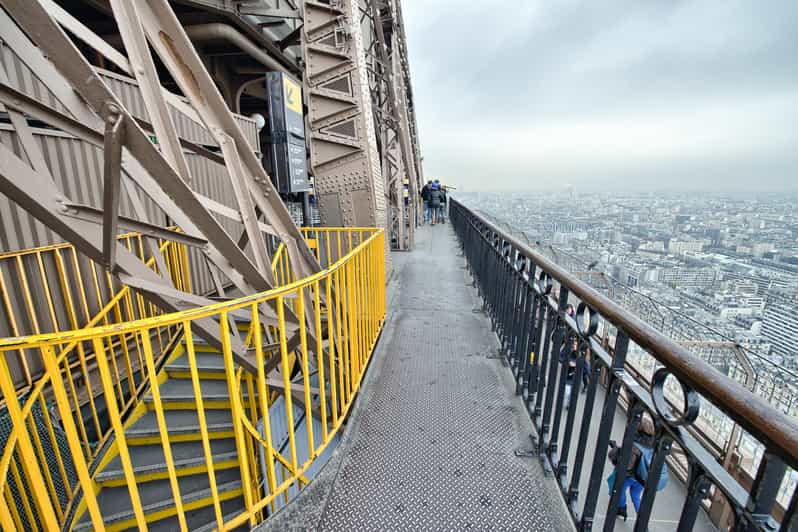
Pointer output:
655, 93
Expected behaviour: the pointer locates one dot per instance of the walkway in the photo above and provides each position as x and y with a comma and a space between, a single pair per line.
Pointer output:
432, 441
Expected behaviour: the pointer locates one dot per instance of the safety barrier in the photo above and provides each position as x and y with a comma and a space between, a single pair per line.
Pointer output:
311, 340
526, 296
54, 288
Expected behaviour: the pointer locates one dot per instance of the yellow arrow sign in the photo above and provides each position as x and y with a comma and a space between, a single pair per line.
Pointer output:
293, 95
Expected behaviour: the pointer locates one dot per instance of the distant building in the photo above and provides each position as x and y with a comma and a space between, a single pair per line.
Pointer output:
688, 277
680, 246
760, 248
780, 323
656, 246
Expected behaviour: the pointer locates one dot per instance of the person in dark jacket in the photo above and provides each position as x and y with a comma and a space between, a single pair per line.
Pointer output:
569, 353
571, 311
434, 201
442, 213
425, 190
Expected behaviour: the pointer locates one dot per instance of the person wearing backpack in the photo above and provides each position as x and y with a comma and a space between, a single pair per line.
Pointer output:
425, 200
435, 201
639, 465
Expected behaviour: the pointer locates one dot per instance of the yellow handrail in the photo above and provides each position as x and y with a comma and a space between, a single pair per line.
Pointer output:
338, 314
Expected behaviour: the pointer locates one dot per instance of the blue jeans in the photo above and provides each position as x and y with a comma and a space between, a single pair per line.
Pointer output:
635, 491
427, 212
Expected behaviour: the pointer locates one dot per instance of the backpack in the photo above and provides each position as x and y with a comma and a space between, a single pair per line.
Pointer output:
644, 463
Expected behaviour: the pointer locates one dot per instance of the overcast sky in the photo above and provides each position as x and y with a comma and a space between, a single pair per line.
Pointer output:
607, 94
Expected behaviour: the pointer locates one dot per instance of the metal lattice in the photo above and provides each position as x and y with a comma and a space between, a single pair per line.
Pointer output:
42, 432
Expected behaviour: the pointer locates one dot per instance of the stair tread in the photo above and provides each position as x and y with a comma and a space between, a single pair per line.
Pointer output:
181, 422
179, 389
202, 519
213, 361
115, 505
150, 458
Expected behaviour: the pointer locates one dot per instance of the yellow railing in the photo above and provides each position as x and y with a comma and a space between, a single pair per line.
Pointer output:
54, 288
315, 334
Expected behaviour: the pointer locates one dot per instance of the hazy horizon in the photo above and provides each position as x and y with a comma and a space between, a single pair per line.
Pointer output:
619, 94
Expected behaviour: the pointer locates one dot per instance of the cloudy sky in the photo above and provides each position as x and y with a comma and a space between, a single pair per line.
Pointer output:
606, 94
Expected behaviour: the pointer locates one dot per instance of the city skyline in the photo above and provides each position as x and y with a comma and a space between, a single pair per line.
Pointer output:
753, 190
716, 271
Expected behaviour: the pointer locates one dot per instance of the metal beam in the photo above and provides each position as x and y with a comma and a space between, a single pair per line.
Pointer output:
260, 9
141, 158
348, 180
37, 194
112, 168
391, 116
291, 39
167, 37
87, 133
97, 216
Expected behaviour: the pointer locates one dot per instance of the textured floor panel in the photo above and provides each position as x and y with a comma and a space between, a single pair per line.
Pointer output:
431, 443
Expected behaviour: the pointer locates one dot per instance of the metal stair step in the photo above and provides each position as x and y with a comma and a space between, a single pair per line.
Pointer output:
156, 496
206, 361
180, 422
210, 365
202, 519
149, 459
182, 391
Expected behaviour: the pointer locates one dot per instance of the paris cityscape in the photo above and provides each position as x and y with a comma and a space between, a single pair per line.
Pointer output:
718, 272
387, 265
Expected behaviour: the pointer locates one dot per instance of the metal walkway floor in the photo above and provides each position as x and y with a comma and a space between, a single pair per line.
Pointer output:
431, 443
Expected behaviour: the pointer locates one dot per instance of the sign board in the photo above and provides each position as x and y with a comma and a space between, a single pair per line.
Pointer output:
287, 131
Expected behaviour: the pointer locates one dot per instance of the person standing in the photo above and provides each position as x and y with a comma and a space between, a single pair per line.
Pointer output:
569, 354
434, 201
639, 465
442, 214
425, 190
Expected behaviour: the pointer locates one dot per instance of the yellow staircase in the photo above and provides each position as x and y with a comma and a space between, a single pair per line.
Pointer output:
149, 465
132, 421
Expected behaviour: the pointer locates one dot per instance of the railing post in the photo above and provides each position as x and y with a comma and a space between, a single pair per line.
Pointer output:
621, 465
562, 462
552, 346
604, 430
519, 316
762, 496
538, 369
527, 326
697, 490
664, 443
581, 446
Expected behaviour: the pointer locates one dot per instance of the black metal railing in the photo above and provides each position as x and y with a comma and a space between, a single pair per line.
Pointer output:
527, 297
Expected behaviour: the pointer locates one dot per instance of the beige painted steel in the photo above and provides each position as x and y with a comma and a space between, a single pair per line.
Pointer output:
389, 99
77, 165
343, 149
